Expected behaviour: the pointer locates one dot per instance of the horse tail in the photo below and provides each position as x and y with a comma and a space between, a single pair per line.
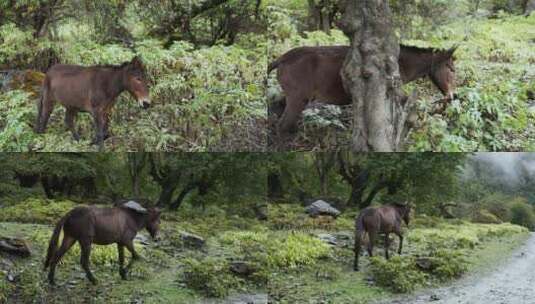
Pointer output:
53, 245
275, 64
44, 92
359, 234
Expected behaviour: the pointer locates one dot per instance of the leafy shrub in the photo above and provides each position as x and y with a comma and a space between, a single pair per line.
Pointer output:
210, 276
485, 217
522, 214
15, 132
447, 264
399, 274
35, 210
298, 249
5, 290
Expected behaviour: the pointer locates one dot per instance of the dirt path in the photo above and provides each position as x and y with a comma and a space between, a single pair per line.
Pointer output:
511, 282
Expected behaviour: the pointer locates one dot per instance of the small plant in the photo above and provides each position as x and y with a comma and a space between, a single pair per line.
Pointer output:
448, 264
298, 249
210, 276
522, 214
399, 274
36, 210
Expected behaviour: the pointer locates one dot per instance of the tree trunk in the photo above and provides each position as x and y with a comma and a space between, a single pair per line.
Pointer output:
166, 195
136, 162
47, 187
371, 76
375, 190
274, 186
529, 7
178, 201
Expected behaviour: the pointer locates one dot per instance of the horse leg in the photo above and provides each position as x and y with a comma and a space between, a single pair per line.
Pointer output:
371, 240
106, 132
45, 109
400, 242
65, 246
122, 270
288, 122
387, 244
356, 250
85, 245
99, 128
130, 246
70, 116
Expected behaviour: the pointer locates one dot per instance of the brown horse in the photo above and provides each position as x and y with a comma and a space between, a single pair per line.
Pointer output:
380, 220
102, 226
90, 89
313, 73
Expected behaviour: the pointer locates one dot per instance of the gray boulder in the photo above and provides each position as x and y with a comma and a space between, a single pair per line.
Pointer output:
242, 268
322, 208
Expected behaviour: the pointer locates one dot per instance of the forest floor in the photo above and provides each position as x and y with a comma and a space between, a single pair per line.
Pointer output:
510, 282
156, 279
456, 244
334, 281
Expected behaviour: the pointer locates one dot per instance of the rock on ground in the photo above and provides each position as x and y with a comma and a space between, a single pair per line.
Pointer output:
321, 208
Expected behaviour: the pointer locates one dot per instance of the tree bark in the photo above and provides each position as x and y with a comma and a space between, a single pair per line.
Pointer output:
178, 201
166, 195
136, 162
529, 7
275, 190
371, 76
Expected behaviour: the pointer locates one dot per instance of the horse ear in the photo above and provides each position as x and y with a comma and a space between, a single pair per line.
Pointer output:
136, 61
452, 50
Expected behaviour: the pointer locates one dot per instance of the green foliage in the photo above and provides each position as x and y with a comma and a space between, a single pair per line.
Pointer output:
485, 217
438, 252
522, 214
210, 276
5, 290
398, 274
15, 131
298, 249
447, 264
208, 98
35, 210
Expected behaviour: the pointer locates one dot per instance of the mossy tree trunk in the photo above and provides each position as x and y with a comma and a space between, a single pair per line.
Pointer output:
371, 76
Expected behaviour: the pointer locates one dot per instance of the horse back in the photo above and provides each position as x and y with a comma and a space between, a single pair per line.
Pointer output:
313, 73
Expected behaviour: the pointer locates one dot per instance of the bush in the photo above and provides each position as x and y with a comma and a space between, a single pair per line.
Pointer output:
15, 131
447, 264
298, 249
522, 214
35, 210
399, 274
210, 276
485, 217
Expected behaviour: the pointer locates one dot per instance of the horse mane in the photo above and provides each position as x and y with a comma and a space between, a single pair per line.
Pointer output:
427, 50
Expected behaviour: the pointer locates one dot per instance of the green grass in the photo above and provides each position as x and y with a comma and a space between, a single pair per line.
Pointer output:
156, 279
456, 247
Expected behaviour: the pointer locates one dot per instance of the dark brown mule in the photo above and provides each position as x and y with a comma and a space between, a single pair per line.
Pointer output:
90, 89
102, 226
380, 220
313, 73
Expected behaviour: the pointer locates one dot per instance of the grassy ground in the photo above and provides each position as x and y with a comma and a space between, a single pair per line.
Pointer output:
472, 248
159, 278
